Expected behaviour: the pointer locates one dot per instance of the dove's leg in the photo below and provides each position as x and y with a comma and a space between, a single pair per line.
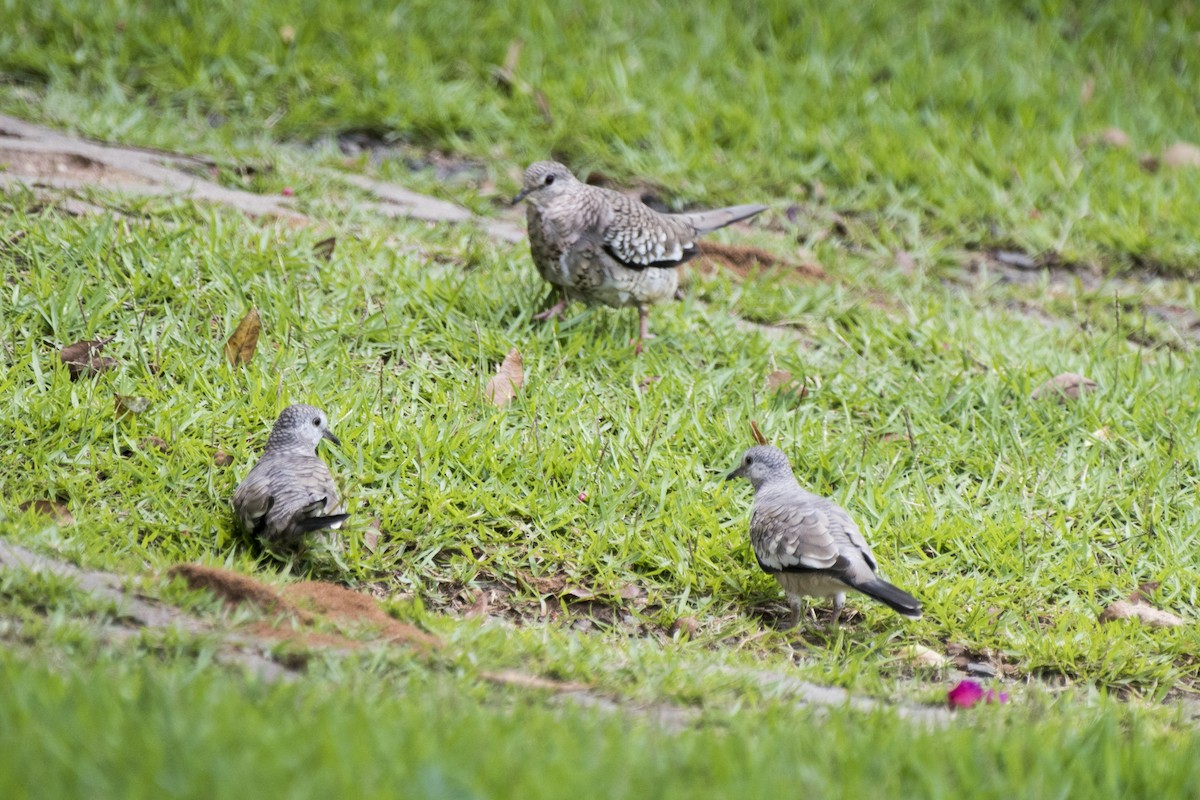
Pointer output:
839, 602
797, 608
643, 329
555, 310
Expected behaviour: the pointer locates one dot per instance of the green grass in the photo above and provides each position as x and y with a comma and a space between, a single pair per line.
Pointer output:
201, 733
943, 120
934, 130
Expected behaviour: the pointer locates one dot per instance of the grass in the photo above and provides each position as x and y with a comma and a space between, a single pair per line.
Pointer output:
945, 120
165, 728
1015, 521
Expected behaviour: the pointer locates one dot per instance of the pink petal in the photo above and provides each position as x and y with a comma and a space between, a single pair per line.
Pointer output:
964, 695
1000, 698
583, 497
288, 191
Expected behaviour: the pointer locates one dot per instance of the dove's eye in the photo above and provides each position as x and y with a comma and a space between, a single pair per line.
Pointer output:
549, 179
316, 422
749, 460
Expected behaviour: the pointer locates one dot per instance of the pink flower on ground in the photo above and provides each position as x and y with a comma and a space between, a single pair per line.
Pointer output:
583, 497
964, 695
288, 191
993, 696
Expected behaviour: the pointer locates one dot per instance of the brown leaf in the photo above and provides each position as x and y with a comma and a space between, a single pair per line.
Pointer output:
239, 349
1142, 612
1115, 137
82, 358
631, 592
153, 442
1087, 90
757, 433
685, 627
371, 535
222, 459
648, 381
510, 376
1067, 386
324, 248
781, 381
50, 508
1139, 594
1181, 154
124, 405
905, 262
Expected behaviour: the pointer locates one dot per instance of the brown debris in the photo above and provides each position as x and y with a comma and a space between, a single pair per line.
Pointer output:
1138, 607
1064, 387
222, 459
757, 433
1181, 155
510, 376
57, 509
236, 589
345, 605
83, 358
326, 599
741, 260
242, 343
525, 681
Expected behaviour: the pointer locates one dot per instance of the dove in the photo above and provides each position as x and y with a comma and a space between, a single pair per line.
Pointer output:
600, 246
808, 542
290, 491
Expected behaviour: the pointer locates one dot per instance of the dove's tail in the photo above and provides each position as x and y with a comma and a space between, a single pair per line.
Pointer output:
705, 221
309, 524
898, 600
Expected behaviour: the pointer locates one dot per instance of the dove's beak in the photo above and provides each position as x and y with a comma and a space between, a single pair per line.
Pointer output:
328, 434
737, 473
520, 196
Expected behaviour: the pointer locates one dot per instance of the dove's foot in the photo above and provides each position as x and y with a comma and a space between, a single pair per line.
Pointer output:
552, 312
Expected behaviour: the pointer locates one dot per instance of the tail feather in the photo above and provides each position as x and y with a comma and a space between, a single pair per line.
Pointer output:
309, 524
898, 600
705, 221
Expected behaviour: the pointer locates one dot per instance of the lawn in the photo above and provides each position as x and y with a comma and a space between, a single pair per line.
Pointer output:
943, 165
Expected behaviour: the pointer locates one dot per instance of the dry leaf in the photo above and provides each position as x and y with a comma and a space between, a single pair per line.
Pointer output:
371, 534
1067, 386
685, 627
1115, 137
287, 34
648, 381
222, 459
50, 508
124, 405
501, 389
82, 358
757, 433
1087, 90
241, 345
1142, 612
324, 248
781, 381
1181, 154
921, 656
153, 442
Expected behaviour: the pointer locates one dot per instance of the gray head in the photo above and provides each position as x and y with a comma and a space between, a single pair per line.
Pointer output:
763, 464
545, 180
302, 427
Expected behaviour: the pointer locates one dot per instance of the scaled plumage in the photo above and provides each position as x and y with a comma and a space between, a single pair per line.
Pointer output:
808, 542
290, 491
600, 246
